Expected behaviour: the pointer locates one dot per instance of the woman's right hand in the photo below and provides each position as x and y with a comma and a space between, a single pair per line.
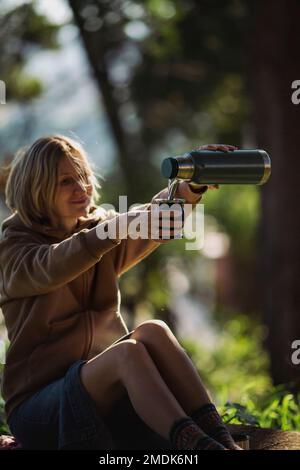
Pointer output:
147, 224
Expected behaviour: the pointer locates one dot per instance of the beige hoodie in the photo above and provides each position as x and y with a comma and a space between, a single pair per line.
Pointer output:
60, 297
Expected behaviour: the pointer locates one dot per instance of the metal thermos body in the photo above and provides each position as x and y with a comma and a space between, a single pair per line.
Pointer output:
217, 167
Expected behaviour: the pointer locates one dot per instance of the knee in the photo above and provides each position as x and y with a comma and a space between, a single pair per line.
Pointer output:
152, 331
130, 351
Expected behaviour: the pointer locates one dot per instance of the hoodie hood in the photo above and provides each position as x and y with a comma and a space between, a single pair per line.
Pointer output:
14, 222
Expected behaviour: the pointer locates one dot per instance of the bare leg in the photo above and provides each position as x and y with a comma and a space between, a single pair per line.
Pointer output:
174, 365
181, 376
128, 366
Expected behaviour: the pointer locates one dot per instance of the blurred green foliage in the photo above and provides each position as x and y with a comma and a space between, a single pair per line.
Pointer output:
191, 82
3, 426
237, 211
22, 31
236, 373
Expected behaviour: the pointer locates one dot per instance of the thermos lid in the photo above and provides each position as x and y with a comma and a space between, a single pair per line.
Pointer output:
169, 168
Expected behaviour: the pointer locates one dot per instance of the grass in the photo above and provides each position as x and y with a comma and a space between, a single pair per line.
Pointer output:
3, 426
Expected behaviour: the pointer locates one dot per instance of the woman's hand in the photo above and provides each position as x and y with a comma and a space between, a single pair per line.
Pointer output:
149, 224
223, 148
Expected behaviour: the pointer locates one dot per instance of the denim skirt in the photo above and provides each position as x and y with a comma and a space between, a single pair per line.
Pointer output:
60, 416
63, 416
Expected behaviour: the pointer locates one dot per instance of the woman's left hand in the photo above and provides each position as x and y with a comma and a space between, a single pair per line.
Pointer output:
223, 148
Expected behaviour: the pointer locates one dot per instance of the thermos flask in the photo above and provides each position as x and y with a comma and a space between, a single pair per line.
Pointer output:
217, 167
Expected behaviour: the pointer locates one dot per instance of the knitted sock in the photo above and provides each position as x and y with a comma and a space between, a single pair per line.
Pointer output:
211, 422
186, 435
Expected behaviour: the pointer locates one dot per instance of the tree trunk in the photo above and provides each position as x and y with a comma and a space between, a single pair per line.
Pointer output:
275, 65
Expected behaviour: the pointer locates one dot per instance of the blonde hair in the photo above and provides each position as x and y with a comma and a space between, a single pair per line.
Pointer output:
32, 181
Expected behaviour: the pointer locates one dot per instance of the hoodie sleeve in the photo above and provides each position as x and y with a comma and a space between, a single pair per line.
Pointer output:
30, 268
129, 252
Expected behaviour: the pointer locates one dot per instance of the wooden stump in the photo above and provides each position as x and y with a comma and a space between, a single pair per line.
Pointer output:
268, 439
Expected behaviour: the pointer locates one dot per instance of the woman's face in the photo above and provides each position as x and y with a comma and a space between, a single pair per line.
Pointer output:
71, 200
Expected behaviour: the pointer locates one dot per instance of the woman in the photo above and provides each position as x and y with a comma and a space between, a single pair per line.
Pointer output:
71, 357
